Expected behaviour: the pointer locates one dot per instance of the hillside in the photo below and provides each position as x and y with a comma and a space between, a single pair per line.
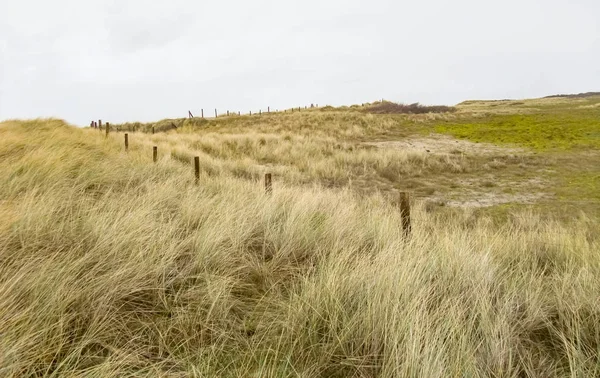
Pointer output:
112, 265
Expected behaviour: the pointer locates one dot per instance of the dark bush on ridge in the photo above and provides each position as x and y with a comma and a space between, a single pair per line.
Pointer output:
579, 95
387, 107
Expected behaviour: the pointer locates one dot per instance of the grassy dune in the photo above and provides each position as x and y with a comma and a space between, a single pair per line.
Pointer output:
111, 265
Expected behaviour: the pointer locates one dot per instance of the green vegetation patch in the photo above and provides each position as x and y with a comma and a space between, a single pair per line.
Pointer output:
582, 185
538, 131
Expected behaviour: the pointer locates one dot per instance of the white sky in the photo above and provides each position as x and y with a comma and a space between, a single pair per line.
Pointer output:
132, 60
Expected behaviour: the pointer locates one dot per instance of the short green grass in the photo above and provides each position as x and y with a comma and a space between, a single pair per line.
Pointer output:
545, 131
564, 134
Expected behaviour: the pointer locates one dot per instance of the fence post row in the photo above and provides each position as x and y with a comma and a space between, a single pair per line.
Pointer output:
405, 213
404, 196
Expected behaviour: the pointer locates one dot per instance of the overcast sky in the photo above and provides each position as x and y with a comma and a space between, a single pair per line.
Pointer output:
145, 60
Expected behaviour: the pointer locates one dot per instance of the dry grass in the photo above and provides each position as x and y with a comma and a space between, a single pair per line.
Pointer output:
333, 148
111, 265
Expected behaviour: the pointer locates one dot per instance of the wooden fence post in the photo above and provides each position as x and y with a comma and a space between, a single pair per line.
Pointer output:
268, 109
100, 124
259, 112
92, 125
228, 113
197, 168
405, 213
216, 116
126, 142
190, 114
152, 129
250, 112
155, 153
107, 128
239, 113
202, 112
268, 183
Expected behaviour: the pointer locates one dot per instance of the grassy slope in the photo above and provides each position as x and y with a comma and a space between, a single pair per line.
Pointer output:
114, 266
558, 167
565, 131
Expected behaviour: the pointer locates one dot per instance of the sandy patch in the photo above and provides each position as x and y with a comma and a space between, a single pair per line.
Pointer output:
444, 144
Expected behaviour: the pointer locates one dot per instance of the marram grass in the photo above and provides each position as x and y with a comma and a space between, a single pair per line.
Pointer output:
113, 266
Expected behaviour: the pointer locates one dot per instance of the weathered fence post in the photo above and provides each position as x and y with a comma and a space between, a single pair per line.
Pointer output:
268, 183
155, 154
202, 112
126, 142
190, 114
405, 213
92, 125
152, 129
197, 168
107, 128
260, 112
100, 124
216, 116
268, 109
239, 113
250, 112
